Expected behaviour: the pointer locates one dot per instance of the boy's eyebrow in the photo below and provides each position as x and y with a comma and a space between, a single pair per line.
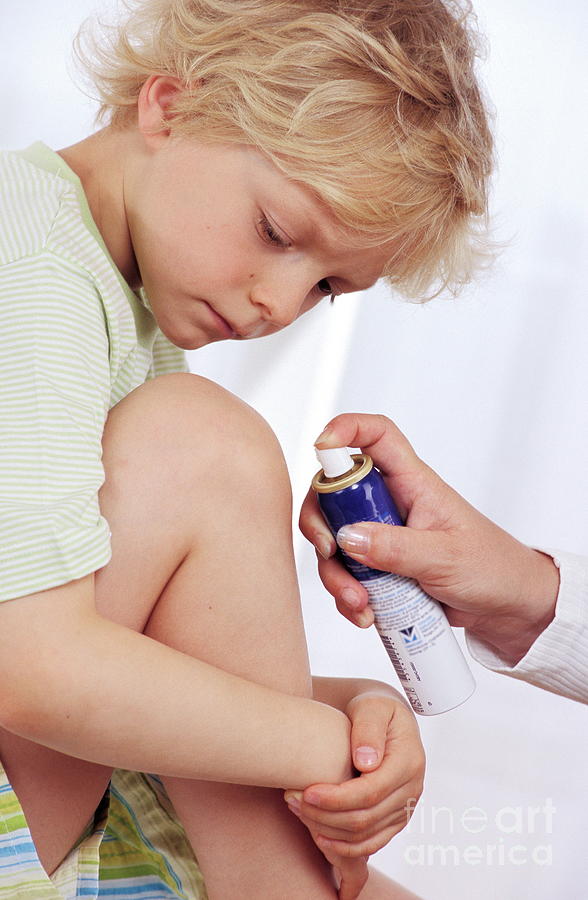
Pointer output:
315, 233
356, 288
352, 285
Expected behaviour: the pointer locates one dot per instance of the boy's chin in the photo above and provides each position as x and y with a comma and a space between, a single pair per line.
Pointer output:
194, 341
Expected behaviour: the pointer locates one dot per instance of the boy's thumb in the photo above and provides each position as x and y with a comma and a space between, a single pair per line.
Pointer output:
393, 548
369, 727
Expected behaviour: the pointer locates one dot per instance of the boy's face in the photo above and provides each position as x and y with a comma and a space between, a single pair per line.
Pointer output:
228, 248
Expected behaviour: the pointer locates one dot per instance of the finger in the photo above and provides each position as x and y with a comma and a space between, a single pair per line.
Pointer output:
314, 528
353, 875
361, 793
358, 825
370, 721
351, 813
345, 824
351, 597
358, 850
421, 554
379, 436
376, 434
374, 788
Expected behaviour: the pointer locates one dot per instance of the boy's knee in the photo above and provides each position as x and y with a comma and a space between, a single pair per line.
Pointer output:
189, 431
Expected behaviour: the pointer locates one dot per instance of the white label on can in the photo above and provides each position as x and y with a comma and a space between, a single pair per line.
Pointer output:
420, 643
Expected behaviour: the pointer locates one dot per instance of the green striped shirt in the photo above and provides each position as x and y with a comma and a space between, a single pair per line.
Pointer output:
75, 339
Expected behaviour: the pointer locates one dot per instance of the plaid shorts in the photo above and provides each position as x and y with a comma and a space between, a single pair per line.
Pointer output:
134, 849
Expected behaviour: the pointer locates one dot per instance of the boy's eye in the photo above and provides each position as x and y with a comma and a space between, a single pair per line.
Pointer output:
271, 235
324, 286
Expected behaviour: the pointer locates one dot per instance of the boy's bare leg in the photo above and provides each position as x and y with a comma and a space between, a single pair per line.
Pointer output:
181, 459
201, 473
201, 560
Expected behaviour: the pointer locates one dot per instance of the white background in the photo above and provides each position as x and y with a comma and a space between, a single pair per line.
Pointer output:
490, 388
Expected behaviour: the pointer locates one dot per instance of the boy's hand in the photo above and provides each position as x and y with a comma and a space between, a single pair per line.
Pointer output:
501, 590
352, 820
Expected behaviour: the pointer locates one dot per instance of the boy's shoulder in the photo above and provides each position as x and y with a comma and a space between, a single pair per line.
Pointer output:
31, 198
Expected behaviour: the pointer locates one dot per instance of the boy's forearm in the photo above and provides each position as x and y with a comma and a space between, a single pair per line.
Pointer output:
339, 692
119, 698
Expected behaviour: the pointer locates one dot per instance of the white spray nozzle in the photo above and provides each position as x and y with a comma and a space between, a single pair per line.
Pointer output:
335, 462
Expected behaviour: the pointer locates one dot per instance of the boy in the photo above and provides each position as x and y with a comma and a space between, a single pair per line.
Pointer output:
232, 189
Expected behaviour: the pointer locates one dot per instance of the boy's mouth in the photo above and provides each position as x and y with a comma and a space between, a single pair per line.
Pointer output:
231, 331
219, 323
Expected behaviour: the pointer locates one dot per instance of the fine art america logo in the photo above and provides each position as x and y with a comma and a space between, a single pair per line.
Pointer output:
508, 836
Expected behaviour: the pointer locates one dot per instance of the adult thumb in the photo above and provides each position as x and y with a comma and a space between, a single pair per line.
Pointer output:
394, 548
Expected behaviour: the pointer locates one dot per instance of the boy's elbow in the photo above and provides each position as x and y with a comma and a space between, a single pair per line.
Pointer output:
36, 637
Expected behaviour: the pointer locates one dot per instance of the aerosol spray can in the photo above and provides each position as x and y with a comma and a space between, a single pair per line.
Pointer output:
413, 627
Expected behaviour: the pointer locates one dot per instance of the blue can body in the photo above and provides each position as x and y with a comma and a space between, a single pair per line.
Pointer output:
412, 625
368, 500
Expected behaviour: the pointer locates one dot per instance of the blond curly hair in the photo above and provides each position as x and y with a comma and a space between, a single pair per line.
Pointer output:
374, 105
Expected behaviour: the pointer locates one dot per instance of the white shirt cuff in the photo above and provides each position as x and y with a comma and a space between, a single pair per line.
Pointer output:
558, 660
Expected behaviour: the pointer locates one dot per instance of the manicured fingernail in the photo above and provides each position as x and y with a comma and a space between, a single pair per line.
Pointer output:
350, 598
365, 618
354, 537
294, 805
323, 436
366, 756
324, 545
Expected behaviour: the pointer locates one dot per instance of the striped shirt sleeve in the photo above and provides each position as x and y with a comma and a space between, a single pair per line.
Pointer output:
54, 390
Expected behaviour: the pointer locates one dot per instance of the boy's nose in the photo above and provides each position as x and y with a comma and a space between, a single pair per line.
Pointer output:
278, 305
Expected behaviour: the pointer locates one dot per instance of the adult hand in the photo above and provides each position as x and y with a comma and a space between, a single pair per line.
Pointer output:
502, 591
352, 820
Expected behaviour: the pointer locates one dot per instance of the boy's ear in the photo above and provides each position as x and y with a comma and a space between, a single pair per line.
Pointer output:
154, 100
